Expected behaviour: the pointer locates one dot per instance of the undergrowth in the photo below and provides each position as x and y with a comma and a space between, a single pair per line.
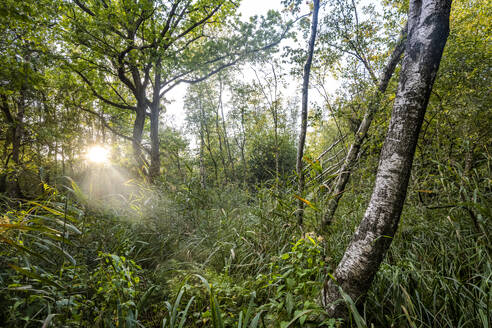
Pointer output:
193, 257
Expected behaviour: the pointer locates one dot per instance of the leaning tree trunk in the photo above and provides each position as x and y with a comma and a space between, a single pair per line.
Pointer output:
304, 111
361, 134
428, 29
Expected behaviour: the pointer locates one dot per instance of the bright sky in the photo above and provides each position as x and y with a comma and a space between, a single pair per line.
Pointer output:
249, 8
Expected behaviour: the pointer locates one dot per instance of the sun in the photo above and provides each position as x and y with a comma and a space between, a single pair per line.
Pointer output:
98, 154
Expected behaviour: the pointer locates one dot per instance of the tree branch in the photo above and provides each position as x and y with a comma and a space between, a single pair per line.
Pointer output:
84, 8
109, 102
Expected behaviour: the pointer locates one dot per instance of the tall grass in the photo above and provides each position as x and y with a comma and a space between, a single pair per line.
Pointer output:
229, 257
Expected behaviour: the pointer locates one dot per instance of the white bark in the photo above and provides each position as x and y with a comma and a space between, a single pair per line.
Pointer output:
428, 29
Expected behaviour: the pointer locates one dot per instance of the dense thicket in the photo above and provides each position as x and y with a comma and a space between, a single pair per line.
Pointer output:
191, 220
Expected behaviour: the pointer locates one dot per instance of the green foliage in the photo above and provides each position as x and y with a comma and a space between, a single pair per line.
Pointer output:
257, 272
173, 315
36, 242
294, 282
50, 272
116, 280
214, 243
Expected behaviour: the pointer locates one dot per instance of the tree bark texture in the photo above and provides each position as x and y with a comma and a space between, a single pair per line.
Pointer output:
361, 134
304, 111
428, 29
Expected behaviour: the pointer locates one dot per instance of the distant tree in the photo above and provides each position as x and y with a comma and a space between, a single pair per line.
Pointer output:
201, 104
175, 154
244, 100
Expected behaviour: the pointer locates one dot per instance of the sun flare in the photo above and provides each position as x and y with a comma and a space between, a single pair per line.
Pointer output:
98, 154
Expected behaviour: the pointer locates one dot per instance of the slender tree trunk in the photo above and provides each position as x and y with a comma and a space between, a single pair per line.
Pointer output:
274, 103
241, 143
304, 111
361, 134
243, 160
277, 148
226, 138
206, 132
202, 164
18, 128
219, 136
63, 161
428, 29
138, 127
210, 152
155, 159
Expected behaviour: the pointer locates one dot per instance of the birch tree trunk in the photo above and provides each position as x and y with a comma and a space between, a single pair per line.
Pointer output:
428, 29
304, 111
361, 134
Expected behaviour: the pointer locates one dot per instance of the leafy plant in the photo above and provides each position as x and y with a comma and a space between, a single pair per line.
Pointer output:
116, 281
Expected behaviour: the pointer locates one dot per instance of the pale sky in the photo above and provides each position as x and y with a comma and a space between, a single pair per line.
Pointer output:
175, 112
249, 8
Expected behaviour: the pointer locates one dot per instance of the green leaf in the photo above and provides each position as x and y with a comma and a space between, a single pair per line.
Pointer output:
35, 276
289, 303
